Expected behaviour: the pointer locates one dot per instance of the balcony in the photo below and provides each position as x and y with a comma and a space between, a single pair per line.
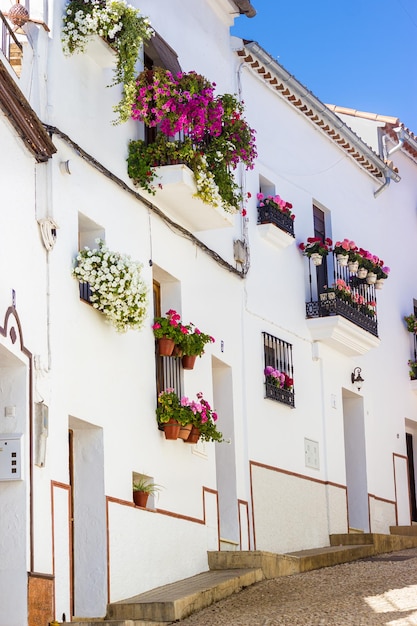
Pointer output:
175, 196
275, 227
10, 45
343, 316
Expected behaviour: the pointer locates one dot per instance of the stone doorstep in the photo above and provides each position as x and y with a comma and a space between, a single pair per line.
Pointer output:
179, 600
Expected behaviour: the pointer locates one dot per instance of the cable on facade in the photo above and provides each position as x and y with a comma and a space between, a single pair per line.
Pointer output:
53, 130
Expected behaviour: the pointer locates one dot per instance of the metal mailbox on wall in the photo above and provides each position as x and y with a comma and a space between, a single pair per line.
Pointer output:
10, 456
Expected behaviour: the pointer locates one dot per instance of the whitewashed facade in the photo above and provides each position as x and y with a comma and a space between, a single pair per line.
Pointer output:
78, 399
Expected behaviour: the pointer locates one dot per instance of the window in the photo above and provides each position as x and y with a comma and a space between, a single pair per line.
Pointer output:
88, 233
159, 54
168, 368
320, 231
279, 371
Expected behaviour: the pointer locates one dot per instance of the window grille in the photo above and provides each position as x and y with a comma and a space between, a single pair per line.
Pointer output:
278, 355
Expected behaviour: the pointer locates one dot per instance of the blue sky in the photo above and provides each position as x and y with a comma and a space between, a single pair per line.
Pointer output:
361, 54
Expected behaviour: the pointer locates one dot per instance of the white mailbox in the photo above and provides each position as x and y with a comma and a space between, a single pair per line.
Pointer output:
10, 456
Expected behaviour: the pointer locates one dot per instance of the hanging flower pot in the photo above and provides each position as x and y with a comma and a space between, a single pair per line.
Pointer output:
362, 272
172, 429
166, 346
188, 361
194, 435
185, 432
177, 351
379, 283
316, 258
353, 266
342, 259
371, 278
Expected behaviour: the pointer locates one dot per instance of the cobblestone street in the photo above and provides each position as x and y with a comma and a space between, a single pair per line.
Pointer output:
378, 591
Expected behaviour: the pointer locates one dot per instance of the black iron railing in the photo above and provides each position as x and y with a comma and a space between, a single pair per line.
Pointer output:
270, 215
348, 295
85, 292
278, 355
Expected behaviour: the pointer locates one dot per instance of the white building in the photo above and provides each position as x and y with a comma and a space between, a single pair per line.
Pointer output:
78, 399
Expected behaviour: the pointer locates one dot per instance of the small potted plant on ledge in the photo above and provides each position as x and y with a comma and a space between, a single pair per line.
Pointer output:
143, 487
315, 249
192, 344
169, 331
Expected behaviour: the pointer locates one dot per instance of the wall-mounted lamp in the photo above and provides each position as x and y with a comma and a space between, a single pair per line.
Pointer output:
356, 378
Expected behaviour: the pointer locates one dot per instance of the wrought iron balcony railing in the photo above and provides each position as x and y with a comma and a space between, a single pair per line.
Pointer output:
347, 295
269, 215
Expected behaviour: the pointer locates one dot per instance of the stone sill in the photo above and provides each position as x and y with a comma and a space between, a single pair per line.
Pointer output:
342, 335
177, 200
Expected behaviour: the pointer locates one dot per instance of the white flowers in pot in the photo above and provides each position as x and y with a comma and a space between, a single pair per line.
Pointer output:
117, 288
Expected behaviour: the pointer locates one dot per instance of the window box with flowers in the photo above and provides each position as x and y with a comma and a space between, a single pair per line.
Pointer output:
92, 25
275, 220
197, 132
115, 286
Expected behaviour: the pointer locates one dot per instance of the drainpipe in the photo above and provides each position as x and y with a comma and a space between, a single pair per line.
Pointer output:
383, 187
401, 134
401, 138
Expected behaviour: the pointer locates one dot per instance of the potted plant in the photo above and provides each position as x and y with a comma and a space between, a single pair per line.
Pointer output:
342, 249
412, 364
204, 420
278, 379
316, 249
142, 489
124, 30
217, 137
192, 344
169, 331
172, 413
116, 286
411, 322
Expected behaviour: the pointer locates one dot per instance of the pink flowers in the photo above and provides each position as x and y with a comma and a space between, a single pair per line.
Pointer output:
315, 245
277, 378
277, 203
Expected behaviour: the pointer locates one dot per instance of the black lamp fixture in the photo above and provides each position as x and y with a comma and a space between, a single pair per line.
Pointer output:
356, 378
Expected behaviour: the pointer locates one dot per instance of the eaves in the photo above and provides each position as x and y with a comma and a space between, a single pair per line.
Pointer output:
317, 113
23, 118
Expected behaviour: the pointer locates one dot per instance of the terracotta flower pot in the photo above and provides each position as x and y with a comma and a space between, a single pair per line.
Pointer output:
185, 432
188, 361
172, 429
140, 498
194, 435
166, 346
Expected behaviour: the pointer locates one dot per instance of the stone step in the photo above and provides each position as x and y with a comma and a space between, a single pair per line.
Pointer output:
403, 530
179, 600
231, 571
